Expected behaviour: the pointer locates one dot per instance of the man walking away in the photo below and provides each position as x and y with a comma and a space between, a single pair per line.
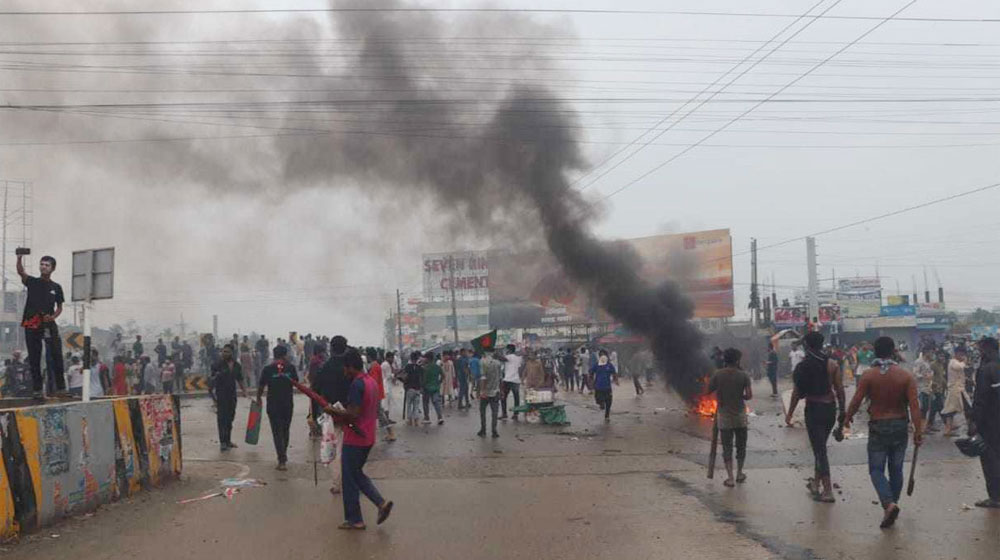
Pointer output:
448, 380
489, 393
986, 418
603, 374
732, 389
475, 372
511, 380
462, 371
772, 369
433, 376
226, 375
277, 378
817, 379
361, 411
42, 307
891, 390
569, 370
388, 380
413, 384
333, 383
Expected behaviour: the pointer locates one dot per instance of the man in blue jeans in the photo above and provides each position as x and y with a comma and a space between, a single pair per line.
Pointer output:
359, 420
892, 390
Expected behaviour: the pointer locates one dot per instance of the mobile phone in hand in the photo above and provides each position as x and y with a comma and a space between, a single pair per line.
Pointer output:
20, 251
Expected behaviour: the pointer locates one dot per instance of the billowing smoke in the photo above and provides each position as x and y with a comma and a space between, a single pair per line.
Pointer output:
404, 116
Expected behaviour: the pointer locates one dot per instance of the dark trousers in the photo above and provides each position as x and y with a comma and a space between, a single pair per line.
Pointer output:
820, 418
355, 482
738, 434
990, 461
772, 376
281, 421
33, 338
638, 385
463, 391
935, 407
571, 380
604, 398
508, 387
887, 447
226, 407
492, 402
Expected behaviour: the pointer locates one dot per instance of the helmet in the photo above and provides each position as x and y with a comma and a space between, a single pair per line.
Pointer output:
971, 446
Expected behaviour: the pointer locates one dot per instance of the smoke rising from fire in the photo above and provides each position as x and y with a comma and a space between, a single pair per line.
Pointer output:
494, 161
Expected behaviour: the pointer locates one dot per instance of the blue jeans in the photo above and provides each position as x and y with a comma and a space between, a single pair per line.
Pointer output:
355, 482
434, 398
412, 404
887, 444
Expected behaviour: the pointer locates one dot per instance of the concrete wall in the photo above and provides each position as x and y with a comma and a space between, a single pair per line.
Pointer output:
66, 459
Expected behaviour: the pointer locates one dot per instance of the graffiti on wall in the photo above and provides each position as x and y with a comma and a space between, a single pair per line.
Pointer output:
55, 440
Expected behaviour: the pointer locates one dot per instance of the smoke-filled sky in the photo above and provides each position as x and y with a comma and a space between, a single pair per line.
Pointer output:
126, 126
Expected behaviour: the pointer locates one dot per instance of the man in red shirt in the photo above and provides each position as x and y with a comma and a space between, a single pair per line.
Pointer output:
361, 414
375, 371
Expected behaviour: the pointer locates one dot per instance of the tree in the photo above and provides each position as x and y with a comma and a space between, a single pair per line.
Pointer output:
983, 317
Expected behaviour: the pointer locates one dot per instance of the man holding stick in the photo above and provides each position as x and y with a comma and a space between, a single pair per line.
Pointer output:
892, 390
732, 389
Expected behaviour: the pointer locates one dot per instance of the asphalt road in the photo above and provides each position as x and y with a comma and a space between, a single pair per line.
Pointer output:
633, 488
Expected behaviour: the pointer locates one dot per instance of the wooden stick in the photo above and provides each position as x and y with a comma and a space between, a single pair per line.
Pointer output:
913, 468
715, 446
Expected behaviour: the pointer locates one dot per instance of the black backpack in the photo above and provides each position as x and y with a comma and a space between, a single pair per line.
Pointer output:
811, 377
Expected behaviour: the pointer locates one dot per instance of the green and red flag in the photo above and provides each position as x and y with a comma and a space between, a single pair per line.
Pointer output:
486, 342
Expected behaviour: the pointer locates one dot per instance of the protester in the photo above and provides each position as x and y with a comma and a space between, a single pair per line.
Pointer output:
100, 380
475, 372
489, 393
226, 375
604, 373
433, 377
939, 384
167, 372
17, 377
43, 305
119, 380
375, 371
511, 380
149, 376
796, 355
74, 377
772, 369
277, 379
732, 388
161, 352
533, 371
569, 370
333, 383
956, 391
818, 380
263, 349
246, 361
716, 357
582, 367
413, 384
923, 372
448, 380
986, 418
137, 348
892, 390
388, 380
361, 411
462, 371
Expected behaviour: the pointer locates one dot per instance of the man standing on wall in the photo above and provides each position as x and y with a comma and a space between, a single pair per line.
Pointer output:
226, 375
41, 309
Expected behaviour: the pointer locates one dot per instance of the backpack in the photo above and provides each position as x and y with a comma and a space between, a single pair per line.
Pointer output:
811, 377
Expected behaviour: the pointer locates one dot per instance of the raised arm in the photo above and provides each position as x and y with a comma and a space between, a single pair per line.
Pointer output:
20, 268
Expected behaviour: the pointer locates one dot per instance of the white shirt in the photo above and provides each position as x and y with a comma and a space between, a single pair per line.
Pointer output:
796, 356
512, 369
96, 390
956, 375
387, 378
74, 375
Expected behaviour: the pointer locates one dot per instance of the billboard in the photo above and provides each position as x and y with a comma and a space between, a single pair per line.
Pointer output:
471, 276
531, 289
860, 297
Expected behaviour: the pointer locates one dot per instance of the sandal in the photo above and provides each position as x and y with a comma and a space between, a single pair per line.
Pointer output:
890, 517
741, 478
825, 498
348, 526
988, 504
383, 512
728, 483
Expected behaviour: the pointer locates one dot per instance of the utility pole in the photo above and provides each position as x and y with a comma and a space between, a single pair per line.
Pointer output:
183, 324
927, 289
215, 328
4, 258
813, 280
774, 292
754, 293
454, 308
399, 326
916, 298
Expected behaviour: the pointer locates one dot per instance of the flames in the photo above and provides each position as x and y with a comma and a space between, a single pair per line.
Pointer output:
706, 405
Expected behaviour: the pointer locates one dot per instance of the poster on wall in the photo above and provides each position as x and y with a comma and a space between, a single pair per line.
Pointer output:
531, 289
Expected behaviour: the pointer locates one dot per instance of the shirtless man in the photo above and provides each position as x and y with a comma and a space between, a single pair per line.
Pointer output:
892, 390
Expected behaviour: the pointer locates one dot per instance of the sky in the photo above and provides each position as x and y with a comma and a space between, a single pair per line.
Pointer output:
686, 121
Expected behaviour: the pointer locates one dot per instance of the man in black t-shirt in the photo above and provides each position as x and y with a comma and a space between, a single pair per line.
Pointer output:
333, 384
226, 375
41, 309
276, 377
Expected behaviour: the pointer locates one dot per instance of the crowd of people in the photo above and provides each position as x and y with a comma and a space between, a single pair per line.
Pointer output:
901, 401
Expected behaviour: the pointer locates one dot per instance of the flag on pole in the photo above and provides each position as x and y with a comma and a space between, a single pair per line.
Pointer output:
486, 342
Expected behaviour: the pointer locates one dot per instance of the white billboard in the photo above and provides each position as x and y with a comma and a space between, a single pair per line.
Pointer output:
471, 276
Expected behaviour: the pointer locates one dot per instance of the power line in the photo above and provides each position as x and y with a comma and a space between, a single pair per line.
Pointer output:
751, 109
555, 11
